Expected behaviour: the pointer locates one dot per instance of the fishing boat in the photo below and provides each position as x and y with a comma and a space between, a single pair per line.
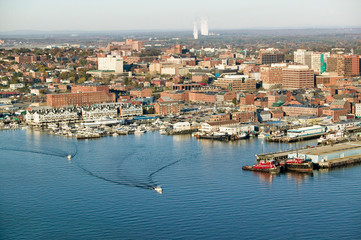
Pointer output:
264, 166
243, 135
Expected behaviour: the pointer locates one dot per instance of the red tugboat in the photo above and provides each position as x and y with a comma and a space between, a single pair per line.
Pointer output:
264, 166
299, 165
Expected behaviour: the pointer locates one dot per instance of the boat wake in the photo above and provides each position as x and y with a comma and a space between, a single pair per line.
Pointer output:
134, 165
48, 152
128, 167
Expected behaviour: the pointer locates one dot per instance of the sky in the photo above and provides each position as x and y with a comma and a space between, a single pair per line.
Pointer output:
117, 15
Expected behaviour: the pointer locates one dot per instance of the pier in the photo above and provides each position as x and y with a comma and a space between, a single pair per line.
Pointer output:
287, 139
341, 162
323, 156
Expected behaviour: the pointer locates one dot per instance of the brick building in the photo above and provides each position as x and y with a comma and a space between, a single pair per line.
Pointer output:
270, 55
297, 76
300, 110
244, 116
165, 108
236, 83
89, 88
348, 66
271, 77
146, 92
79, 99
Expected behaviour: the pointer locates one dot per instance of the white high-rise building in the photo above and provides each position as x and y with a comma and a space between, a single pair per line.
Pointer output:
303, 57
204, 27
195, 31
112, 63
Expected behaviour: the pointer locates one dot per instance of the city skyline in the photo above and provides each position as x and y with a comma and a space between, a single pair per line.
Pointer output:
110, 15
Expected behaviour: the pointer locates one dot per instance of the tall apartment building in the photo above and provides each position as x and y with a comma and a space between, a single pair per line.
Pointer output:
271, 77
318, 61
314, 60
344, 65
297, 76
270, 55
303, 57
111, 63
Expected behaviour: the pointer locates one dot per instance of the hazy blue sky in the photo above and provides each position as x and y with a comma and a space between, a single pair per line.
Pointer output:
178, 15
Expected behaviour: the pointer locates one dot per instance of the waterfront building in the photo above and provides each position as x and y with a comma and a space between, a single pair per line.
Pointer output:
99, 111
43, 115
215, 126
306, 131
181, 126
128, 110
341, 150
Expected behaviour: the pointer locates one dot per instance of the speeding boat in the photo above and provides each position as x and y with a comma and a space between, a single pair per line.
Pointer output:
69, 157
158, 189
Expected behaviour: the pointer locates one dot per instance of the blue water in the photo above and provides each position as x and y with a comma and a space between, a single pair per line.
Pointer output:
104, 192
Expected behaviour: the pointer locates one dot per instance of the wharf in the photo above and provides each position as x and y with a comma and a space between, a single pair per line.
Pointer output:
188, 131
294, 139
340, 162
323, 156
278, 156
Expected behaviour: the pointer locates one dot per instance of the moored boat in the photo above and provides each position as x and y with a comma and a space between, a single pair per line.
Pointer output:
298, 165
264, 166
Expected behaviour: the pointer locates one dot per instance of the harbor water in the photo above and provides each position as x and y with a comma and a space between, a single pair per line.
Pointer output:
106, 190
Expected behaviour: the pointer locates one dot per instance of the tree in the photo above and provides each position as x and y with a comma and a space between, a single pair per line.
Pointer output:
234, 101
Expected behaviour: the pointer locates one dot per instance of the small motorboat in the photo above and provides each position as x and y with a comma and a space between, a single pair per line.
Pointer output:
158, 189
69, 157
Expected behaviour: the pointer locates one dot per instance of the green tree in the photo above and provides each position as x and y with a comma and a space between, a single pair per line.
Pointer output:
234, 101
